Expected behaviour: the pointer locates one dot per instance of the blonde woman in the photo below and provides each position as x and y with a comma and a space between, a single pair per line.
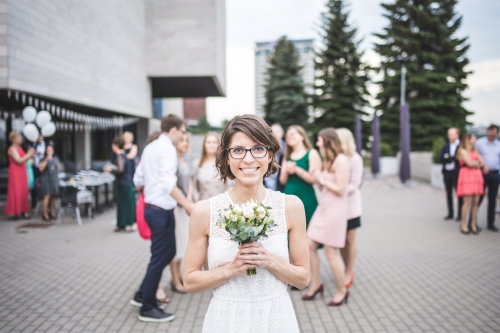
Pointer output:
350, 250
206, 184
129, 147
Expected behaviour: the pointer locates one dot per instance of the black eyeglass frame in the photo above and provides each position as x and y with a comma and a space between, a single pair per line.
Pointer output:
246, 151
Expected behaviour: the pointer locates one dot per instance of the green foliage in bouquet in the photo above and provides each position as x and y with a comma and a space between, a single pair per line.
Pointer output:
246, 223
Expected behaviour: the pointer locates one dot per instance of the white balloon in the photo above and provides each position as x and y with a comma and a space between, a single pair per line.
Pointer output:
43, 118
30, 131
48, 129
29, 114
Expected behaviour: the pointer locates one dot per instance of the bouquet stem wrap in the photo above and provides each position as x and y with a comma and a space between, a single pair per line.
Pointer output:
246, 223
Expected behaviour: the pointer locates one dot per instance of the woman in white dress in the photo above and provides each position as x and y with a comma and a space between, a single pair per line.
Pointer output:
242, 303
185, 184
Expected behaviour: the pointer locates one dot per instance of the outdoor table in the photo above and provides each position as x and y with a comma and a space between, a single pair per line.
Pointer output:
91, 179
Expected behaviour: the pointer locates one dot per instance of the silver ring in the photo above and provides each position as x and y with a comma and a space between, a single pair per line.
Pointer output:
258, 256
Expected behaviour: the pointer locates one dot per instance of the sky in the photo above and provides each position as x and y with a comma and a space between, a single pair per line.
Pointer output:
248, 22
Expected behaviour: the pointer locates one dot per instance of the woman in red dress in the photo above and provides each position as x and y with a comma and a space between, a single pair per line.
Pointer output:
470, 181
17, 186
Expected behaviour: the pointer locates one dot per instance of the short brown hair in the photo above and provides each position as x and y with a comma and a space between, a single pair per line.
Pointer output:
257, 130
118, 141
171, 121
493, 127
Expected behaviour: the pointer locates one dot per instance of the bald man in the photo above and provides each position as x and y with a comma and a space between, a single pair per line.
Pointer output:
450, 171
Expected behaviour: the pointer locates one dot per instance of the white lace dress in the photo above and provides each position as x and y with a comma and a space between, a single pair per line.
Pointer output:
258, 303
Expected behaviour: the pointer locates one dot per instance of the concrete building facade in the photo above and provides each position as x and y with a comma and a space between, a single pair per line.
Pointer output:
108, 59
263, 50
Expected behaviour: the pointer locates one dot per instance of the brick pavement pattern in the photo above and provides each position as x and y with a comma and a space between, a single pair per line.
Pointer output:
414, 273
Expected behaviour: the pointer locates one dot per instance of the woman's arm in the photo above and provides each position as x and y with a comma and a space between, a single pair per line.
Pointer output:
132, 153
314, 164
356, 174
464, 157
196, 279
43, 164
196, 192
296, 272
190, 190
283, 179
17, 158
339, 185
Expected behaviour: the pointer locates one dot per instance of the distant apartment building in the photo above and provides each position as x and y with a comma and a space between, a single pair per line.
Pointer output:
263, 51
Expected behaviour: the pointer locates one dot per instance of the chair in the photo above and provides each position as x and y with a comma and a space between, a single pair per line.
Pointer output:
72, 197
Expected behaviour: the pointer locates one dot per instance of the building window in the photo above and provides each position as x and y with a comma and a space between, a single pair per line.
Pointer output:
257, 53
157, 108
306, 49
268, 52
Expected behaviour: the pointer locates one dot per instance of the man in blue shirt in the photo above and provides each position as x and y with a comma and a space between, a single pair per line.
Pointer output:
489, 148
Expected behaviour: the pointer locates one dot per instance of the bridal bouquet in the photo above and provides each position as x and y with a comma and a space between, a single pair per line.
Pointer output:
246, 223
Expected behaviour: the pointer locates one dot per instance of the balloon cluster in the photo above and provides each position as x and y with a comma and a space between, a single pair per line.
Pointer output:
43, 120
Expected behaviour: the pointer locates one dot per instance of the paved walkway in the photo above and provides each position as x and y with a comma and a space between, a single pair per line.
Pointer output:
415, 273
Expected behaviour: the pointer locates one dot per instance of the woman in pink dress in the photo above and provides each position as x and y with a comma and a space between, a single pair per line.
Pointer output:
17, 184
470, 184
328, 225
350, 250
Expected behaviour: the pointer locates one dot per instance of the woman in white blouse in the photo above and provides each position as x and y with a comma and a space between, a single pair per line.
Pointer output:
206, 182
353, 202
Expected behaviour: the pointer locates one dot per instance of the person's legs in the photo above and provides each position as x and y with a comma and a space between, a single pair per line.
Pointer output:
448, 183
175, 269
473, 213
493, 184
465, 210
46, 202
349, 253
53, 200
162, 225
315, 267
460, 200
338, 272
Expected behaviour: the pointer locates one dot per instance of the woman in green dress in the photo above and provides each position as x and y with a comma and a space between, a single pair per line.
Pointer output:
299, 163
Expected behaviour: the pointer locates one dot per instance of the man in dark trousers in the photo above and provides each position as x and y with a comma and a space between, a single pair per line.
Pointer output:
450, 171
156, 175
489, 149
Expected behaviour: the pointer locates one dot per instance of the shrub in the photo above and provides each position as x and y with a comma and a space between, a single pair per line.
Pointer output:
437, 145
386, 150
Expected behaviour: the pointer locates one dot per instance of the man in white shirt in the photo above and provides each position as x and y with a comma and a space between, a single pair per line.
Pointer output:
450, 171
156, 174
489, 149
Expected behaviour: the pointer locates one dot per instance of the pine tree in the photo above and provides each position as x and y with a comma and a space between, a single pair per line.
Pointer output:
340, 75
285, 97
423, 32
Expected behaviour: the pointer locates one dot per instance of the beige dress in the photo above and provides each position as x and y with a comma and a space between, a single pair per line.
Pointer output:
206, 182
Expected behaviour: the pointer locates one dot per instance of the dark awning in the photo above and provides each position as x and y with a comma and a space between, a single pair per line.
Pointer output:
186, 87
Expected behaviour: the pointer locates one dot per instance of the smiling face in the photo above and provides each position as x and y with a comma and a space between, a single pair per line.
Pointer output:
293, 137
183, 144
248, 170
211, 145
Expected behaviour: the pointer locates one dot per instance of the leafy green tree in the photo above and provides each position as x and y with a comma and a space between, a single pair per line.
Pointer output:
341, 76
423, 32
285, 98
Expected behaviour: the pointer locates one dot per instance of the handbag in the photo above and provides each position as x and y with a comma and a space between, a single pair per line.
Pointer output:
142, 225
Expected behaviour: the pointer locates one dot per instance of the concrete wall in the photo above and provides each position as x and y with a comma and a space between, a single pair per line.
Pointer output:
421, 166
186, 38
89, 52
3, 43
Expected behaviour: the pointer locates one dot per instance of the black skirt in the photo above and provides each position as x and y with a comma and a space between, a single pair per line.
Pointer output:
354, 223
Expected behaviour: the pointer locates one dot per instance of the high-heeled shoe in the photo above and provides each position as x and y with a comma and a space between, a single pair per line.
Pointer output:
344, 300
474, 232
307, 297
351, 281
45, 218
465, 232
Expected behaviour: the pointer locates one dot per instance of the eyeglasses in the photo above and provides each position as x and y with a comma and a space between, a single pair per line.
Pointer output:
239, 153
